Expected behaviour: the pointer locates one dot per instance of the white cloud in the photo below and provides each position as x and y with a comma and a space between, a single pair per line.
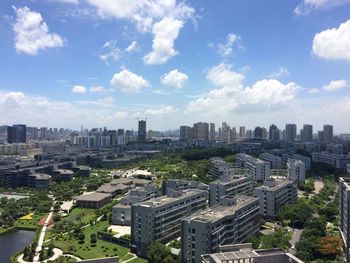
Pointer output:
313, 91
279, 73
165, 32
132, 47
174, 78
226, 49
128, 82
97, 89
161, 112
334, 43
232, 96
336, 85
79, 89
66, 1
110, 52
121, 115
223, 75
32, 33
163, 18
308, 6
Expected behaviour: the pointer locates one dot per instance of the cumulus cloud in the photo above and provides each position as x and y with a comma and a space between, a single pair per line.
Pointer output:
174, 78
279, 73
160, 112
307, 6
121, 115
32, 33
128, 82
313, 91
334, 43
223, 75
163, 18
165, 32
79, 89
336, 85
232, 96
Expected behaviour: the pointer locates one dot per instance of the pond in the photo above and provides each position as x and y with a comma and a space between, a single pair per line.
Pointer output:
13, 242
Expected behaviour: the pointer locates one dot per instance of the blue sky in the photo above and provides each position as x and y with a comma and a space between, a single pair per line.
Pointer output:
104, 63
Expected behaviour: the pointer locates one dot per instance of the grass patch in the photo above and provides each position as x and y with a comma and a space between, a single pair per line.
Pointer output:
84, 215
71, 245
29, 223
138, 260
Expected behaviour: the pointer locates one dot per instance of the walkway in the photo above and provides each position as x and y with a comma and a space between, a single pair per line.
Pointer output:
57, 253
130, 259
318, 184
42, 236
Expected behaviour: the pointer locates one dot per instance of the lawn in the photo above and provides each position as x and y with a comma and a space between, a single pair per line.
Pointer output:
85, 251
84, 215
29, 223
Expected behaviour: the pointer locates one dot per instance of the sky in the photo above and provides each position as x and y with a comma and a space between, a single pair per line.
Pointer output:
96, 63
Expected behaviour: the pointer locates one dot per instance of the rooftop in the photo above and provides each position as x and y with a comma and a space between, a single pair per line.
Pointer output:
274, 184
95, 196
217, 212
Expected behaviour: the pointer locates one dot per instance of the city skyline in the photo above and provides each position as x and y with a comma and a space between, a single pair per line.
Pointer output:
103, 63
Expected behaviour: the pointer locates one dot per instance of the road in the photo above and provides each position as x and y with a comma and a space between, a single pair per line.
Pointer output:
295, 239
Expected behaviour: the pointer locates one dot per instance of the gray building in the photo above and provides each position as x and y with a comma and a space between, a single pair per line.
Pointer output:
274, 194
274, 160
244, 253
121, 213
327, 133
178, 184
159, 219
338, 161
218, 167
344, 214
229, 186
291, 132
304, 159
142, 132
348, 169
231, 222
257, 169
306, 135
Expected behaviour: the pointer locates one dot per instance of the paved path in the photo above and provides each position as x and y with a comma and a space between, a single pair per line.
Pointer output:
318, 184
42, 236
57, 253
128, 260
295, 239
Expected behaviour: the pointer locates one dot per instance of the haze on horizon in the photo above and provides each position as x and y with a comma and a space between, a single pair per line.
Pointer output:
66, 63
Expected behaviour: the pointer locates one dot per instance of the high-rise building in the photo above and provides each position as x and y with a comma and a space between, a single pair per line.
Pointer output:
344, 215
142, 132
291, 132
296, 171
225, 132
307, 133
43, 133
242, 132
212, 132
320, 136
186, 133
258, 132
328, 133
17, 134
201, 131
274, 133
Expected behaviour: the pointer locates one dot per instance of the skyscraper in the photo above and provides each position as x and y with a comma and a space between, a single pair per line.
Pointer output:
242, 132
258, 132
327, 133
212, 132
142, 131
17, 134
307, 133
201, 130
291, 132
274, 133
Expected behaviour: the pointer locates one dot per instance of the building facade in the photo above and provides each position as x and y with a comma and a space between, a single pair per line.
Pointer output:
296, 171
159, 219
229, 223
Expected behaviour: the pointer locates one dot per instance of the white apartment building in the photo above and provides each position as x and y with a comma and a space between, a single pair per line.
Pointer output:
296, 171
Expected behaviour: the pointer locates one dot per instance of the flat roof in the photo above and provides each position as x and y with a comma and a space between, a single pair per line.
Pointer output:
278, 184
162, 200
95, 196
219, 211
40, 176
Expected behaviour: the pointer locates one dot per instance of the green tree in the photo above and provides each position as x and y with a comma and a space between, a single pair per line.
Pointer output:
81, 237
93, 239
159, 253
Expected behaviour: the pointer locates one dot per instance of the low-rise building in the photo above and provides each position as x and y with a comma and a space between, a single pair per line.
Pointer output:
304, 159
274, 194
229, 186
338, 161
159, 219
218, 167
113, 189
243, 253
231, 222
93, 200
39, 181
274, 160
62, 175
81, 170
296, 171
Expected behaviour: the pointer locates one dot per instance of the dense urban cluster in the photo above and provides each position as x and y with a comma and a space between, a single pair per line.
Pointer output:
193, 195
